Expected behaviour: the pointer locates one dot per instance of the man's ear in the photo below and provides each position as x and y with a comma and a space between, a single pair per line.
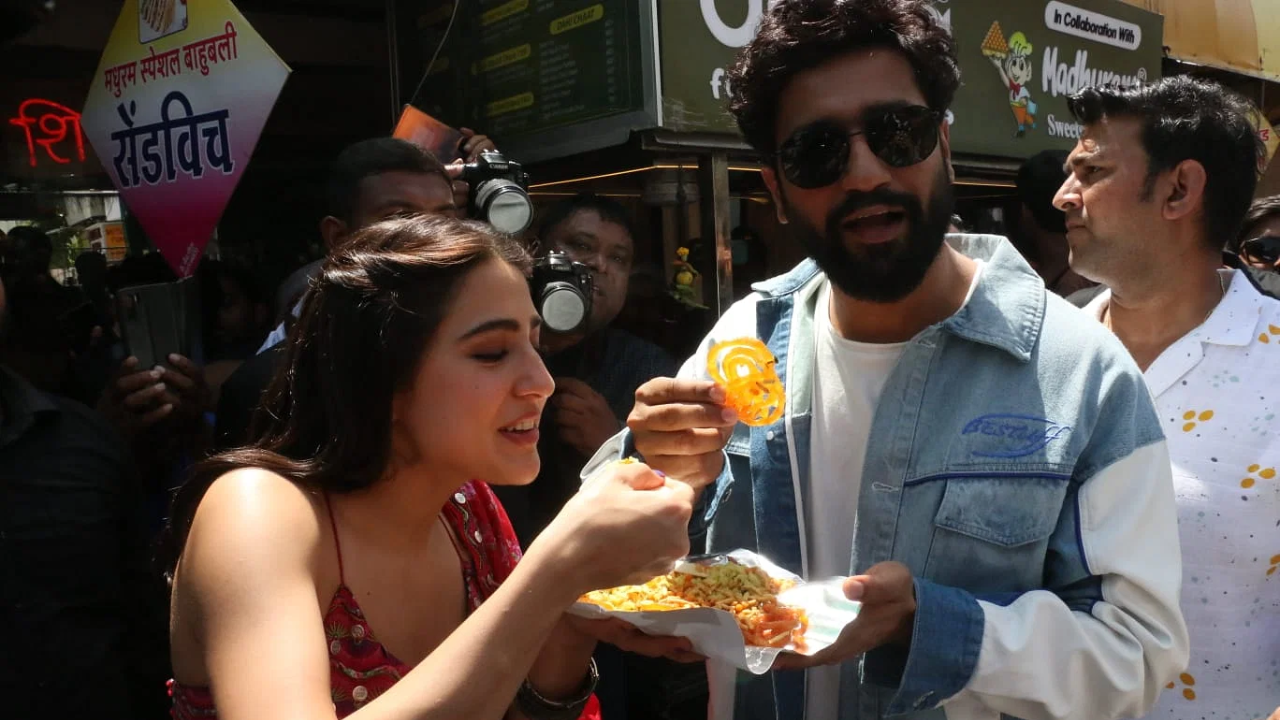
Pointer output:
1184, 195
332, 230
770, 178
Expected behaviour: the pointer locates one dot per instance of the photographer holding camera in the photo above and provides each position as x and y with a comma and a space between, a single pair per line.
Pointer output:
586, 249
580, 283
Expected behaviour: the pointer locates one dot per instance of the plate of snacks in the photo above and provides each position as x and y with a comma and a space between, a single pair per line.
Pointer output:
738, 608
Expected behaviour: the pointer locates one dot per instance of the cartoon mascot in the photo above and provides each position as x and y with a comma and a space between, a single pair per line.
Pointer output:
1013, 61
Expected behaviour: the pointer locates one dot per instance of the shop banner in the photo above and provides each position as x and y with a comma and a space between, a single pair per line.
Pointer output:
180, 97
1019, 61
697, 43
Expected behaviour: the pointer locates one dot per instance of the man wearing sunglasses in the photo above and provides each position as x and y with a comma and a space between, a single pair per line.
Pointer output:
1259, 240
1162, 175
981, 459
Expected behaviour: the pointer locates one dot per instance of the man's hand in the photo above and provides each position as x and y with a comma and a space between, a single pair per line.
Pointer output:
887, 594
473, 144
189, 393
582, 416
681, 427
461, 190
1274, 716
626, 637
135, 399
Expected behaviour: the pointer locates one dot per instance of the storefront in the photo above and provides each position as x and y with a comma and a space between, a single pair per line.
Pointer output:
49, 173
627, 98
1237, 43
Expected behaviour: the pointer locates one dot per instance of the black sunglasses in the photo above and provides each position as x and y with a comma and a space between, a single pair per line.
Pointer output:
1264, 250
817, 155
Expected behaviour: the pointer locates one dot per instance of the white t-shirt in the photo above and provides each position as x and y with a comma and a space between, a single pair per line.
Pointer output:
848, 379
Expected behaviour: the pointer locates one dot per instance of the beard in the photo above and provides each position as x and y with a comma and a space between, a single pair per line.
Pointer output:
886, 272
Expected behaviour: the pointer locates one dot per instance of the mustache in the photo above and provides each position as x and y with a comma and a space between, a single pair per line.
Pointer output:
909, 204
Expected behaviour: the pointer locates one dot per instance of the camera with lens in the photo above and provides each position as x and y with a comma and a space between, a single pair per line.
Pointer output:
498, 192
562, 291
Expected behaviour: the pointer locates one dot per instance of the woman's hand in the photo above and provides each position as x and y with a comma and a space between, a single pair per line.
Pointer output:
627, 524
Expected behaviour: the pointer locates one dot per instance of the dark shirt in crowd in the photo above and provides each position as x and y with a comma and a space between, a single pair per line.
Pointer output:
83, 610
241, 396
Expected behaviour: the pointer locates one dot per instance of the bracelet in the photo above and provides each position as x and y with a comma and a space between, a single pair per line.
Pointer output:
536, 707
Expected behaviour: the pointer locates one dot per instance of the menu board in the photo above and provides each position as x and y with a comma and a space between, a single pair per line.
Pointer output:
512, 68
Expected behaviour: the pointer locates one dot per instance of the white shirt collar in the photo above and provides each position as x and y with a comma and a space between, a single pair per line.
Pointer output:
1233, 323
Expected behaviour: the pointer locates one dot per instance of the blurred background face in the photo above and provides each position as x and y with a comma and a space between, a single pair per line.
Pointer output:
876, 230
388, 195
607, 250
395, 193
1261, 245
478, 396
239, 318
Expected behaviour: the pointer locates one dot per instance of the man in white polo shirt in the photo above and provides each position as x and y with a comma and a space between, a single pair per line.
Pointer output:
1161, 177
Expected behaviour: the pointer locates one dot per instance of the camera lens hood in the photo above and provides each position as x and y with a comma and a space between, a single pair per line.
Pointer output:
505, 205
563, 308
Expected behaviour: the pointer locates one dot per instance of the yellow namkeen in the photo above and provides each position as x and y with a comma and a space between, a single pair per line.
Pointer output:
746, 592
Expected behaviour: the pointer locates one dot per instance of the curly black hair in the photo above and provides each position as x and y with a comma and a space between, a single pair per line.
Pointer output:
798, 35
1186, 118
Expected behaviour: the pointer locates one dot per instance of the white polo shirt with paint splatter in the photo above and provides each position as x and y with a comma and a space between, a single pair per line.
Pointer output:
1218, 394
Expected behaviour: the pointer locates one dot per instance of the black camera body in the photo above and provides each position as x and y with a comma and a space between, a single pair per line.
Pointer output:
562, 292
499, 192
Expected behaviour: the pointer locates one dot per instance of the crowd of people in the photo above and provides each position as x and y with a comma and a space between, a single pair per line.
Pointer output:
1046, 466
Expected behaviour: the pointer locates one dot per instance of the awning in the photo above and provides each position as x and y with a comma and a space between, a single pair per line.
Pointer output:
1238, 35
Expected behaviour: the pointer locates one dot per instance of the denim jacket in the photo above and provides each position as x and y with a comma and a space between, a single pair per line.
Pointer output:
1016, 465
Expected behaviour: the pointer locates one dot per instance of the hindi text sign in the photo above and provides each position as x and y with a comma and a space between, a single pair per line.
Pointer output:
177, 118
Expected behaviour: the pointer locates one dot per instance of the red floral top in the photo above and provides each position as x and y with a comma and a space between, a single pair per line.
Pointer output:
361, 669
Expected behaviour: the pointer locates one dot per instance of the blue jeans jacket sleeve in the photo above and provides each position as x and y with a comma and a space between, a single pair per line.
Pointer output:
945, 642
704, 512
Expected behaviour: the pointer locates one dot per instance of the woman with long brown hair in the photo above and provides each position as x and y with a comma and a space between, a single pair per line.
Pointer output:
350, 561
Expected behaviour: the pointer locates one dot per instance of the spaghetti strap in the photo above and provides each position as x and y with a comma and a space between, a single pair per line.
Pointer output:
337, 544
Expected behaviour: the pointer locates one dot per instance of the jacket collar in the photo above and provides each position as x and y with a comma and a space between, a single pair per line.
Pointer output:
1007, 308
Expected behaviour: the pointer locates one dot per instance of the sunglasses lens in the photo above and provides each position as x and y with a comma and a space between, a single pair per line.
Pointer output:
903, 137
815, 156
1265, 249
